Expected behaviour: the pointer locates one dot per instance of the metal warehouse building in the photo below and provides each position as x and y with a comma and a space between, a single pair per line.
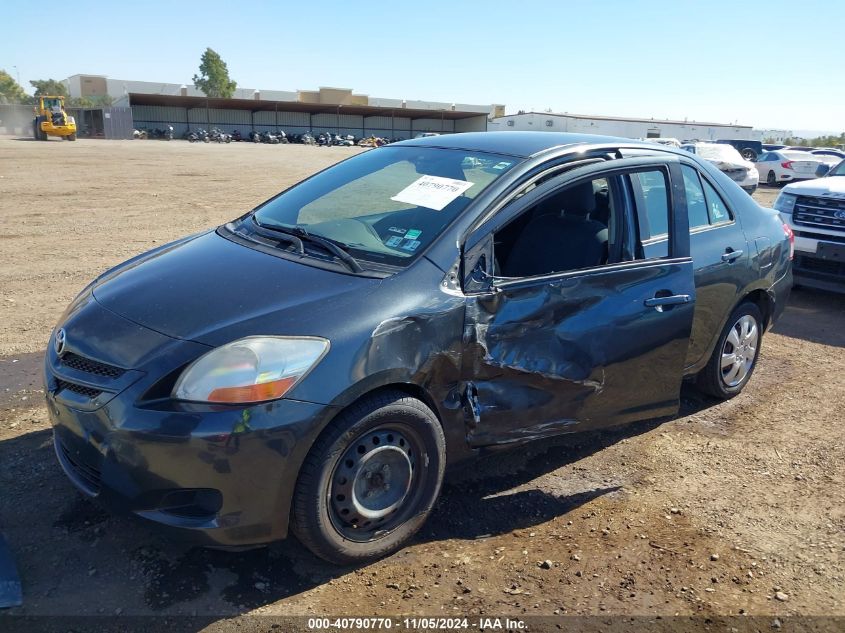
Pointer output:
336, 110
624, 127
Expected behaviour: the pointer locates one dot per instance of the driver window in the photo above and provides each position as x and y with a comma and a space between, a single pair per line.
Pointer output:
576, 227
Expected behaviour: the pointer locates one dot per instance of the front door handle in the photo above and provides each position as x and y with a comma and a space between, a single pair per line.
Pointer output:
730, 255
660, 302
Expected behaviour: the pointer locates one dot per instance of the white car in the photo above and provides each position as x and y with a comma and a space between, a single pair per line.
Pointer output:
815, 211
728, 160
831, 157
786, 165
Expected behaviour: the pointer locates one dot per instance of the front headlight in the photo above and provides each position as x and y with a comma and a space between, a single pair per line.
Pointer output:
251, 369
753, 173
785, 203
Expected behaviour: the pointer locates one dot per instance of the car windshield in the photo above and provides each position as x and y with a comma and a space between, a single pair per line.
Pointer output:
388, 204
719, 152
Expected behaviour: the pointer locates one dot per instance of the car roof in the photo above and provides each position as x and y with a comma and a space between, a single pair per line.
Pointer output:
521, 144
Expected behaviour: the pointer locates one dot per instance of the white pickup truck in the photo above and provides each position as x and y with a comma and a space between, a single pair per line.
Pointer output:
815, 211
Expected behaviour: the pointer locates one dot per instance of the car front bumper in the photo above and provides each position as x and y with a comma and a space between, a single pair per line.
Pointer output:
220, 476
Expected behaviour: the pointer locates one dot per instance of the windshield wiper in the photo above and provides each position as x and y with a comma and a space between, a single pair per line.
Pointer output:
298, 234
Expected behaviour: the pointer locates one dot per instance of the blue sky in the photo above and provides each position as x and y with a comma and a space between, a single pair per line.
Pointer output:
749, 61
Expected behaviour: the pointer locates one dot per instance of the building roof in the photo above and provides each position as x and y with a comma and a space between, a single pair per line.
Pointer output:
264, 105
626, 119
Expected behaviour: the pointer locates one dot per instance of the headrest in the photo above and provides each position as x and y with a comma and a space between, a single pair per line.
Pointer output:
579, 200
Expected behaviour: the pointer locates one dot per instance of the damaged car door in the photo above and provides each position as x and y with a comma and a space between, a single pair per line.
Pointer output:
580, 299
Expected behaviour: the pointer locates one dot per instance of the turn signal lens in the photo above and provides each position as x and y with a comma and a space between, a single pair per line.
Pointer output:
252, 393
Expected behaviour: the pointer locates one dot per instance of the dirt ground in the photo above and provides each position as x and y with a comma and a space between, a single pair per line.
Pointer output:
731, 508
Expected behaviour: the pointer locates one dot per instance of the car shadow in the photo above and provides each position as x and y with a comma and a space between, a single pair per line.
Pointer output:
815, 316
495, 496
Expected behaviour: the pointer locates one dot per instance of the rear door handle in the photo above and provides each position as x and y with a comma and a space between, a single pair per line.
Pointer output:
730, 255
671, 300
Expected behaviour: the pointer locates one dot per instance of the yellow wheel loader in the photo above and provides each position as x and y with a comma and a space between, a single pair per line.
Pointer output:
52, 120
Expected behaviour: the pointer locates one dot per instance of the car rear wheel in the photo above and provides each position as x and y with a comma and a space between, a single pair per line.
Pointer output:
735, 355
749, 154
370, 480
771, 179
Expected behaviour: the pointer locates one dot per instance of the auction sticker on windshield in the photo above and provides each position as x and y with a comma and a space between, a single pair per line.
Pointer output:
432, 192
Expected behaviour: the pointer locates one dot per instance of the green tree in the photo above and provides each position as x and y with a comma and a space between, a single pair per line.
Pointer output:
10, 90
49, 87
213, 78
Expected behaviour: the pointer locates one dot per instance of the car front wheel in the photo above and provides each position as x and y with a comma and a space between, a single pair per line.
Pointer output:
370, 480
771, 179
735, 356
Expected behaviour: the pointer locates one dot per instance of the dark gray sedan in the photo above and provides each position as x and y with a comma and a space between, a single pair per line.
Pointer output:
317, 363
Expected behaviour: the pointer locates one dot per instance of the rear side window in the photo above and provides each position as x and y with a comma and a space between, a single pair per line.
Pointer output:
716, 210
696, 202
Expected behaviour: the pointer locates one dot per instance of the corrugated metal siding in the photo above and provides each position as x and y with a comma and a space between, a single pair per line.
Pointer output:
324, 121
117, 123
264, 118
229, 117
382, 122
163, 114
433, 125
351, 121
293, 119
197, 116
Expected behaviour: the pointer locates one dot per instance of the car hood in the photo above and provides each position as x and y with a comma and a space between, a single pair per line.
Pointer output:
211, 290
833, 186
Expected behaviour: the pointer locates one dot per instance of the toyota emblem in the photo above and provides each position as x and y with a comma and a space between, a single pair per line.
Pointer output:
840, 215
59, 342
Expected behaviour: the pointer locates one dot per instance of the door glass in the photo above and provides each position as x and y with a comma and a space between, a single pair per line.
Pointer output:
651, 193
696, 203
572, 228
716, 208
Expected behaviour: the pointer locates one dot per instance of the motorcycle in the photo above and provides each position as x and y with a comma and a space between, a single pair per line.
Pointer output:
163, 133
219, 136
194, 136
267, 137
255, 137
236, 135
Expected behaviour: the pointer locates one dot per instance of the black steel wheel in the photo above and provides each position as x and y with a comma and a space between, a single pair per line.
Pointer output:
370, 480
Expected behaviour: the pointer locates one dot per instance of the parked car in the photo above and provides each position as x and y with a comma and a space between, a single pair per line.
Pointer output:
815, 211
829, 156
315, 364
787, 165
747, 148
727, 159
671, 142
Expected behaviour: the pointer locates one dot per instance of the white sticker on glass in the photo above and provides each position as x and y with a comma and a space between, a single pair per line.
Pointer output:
432, 192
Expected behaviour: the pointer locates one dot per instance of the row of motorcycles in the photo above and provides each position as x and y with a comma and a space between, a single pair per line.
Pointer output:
164, 134
216, 135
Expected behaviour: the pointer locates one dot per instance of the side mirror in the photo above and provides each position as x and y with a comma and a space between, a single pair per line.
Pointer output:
822, 170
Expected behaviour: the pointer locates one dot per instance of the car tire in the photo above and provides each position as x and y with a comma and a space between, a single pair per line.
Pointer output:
739, 342
771, 179
370, 480
748, 154
71, 137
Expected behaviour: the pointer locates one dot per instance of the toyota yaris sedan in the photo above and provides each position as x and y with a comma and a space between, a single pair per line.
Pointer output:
314, 365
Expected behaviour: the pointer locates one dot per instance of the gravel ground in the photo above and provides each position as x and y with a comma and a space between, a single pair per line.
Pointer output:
731, 508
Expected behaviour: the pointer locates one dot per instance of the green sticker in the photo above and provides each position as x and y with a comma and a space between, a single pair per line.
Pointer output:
413, 234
